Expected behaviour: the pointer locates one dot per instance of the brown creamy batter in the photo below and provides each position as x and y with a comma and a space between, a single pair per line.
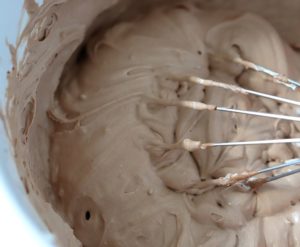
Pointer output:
116, 180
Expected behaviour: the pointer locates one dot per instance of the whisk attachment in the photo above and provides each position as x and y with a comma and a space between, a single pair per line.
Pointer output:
274, 76
237, 89
190, 145
246, 180
202, 106
254, 182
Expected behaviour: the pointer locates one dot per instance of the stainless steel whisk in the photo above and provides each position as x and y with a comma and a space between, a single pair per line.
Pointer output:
246, 180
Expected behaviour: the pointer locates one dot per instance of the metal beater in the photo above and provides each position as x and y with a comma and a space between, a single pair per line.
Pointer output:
246, 180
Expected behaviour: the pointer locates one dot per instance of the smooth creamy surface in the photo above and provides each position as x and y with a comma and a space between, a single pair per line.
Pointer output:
115, 181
